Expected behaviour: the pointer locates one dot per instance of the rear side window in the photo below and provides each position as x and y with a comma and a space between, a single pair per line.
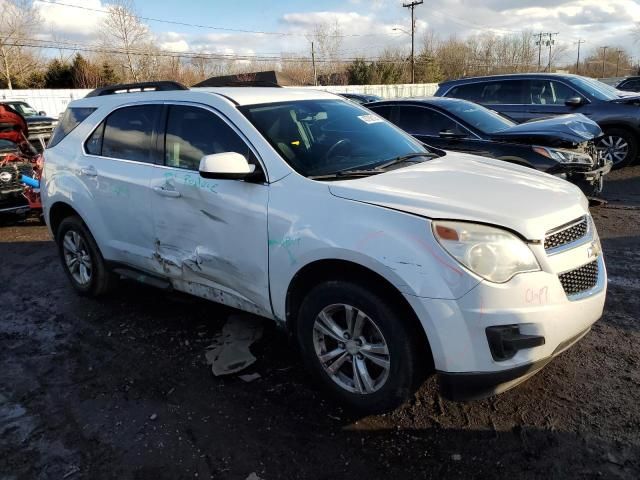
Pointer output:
471, 92
126, 134
504, 92
194, 132
384, 111
71, 118
424, 121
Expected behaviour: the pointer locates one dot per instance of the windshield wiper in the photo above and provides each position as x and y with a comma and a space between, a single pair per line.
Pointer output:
379, 168
402, 159
345, 174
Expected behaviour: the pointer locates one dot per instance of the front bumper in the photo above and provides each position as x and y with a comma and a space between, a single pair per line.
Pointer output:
591, 182
479, 385
536, 303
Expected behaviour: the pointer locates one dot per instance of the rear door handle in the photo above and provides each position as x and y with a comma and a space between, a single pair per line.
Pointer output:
89, 171
167, 193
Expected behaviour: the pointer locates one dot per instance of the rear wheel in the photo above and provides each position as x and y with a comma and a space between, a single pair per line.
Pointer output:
359, 346
81, 258
619, 146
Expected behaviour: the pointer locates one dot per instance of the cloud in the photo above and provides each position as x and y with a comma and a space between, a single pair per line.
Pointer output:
63, 21
370, 26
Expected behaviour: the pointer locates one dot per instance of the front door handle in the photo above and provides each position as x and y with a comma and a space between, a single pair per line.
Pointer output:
89, 171
166, 192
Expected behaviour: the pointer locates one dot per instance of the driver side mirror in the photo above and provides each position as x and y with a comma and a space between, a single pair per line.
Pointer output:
574, 101
451, 134
42, 112
227, 165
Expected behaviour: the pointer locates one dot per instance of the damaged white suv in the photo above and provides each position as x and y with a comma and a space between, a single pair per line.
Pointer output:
383, 257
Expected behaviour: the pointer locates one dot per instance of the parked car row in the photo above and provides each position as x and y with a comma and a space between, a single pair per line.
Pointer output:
385, 258
562, 146
525, 97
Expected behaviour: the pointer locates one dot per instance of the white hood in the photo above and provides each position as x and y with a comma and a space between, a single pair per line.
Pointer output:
467, 187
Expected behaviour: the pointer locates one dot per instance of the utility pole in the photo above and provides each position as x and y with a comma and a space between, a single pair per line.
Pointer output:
579, 42
550, 43
313, 61
604, 57
412, 6
539, 43
618, 61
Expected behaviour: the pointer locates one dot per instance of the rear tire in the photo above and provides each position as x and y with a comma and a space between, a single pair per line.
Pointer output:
82, 260
359, 346
615, 142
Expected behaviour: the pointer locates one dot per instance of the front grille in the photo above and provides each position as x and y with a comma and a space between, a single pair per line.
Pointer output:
16, 170
569, 234
581, 279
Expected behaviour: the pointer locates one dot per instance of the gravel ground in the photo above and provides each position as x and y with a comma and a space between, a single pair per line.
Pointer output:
119, 388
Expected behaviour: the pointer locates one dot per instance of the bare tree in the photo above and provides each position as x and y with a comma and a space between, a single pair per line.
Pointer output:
124, 30
327, 40
19, 19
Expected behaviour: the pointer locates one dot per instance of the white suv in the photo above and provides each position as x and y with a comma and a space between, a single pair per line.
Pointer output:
383, 257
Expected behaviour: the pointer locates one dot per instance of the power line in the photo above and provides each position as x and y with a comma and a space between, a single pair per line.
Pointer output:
206, 27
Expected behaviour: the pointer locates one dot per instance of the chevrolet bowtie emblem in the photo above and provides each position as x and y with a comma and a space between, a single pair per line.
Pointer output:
593, 250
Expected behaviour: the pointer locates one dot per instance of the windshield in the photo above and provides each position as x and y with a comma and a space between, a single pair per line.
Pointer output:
596, 89
24, 109
485, 120
322, 137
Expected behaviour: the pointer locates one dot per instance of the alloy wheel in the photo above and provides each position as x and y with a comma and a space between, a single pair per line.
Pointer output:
351, 349
77, 258
614, 148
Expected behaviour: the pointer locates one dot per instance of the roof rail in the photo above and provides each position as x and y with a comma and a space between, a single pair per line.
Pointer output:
162, 86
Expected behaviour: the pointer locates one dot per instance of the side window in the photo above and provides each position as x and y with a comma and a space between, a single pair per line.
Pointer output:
504, 92
71, 118
384, 111
195, 132
549, 92
424, 121
94, 143
471, 92
128, 134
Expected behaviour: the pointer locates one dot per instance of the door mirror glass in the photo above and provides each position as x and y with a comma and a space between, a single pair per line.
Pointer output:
574, 102
230, 165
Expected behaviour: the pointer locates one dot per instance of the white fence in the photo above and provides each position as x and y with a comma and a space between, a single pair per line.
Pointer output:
54, 101
51, 101
385, 91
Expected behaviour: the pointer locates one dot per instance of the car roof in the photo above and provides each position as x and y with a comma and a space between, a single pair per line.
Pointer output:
259, 95
237, 95
437, 101
513, 76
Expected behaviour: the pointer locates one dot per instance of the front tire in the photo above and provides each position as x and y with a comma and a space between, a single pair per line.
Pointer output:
359, 346
618, 145
82, 260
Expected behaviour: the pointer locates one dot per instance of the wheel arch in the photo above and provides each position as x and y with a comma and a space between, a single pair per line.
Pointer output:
58, 212
319, 271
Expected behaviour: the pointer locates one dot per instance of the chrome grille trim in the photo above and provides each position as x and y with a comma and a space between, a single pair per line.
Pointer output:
568, 235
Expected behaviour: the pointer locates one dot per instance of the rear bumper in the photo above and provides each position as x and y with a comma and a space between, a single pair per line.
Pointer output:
478, 385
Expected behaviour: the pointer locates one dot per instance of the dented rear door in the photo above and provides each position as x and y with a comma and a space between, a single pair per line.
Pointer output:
211, 235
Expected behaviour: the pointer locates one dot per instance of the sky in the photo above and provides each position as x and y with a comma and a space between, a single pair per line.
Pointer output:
368, 26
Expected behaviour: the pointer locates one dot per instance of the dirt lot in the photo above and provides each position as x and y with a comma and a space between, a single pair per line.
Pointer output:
119, 388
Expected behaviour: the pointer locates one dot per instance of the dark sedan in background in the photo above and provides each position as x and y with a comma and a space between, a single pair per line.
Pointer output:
630, 84
524, 97
563, 146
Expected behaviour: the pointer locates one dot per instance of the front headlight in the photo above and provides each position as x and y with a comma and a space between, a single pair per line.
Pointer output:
565, 156
492, 253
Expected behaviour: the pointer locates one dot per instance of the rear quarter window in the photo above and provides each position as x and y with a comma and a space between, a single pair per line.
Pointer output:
71, 118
